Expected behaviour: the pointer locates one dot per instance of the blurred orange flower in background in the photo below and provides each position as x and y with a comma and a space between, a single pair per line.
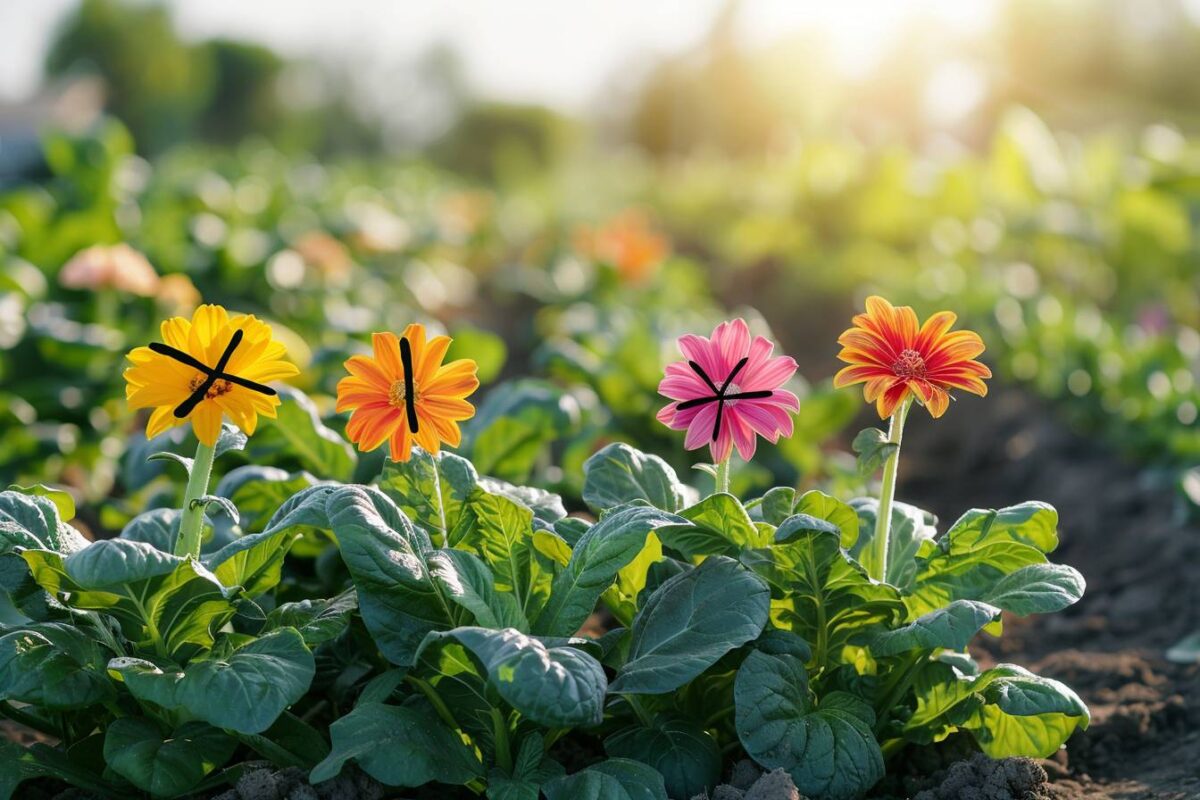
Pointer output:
628, 242
897, 358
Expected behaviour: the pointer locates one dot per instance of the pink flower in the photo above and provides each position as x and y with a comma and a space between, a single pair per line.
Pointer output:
727, 391
116, 266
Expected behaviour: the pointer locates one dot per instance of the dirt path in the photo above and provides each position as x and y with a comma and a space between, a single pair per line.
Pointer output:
1127, 533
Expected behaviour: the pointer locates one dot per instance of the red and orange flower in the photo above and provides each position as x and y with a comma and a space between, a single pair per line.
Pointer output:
898, 358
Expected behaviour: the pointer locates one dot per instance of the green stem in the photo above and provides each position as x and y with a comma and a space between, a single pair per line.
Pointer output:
29, 721
894, 693
723, 475
642, 714
188, 543
434, 699
887, 492
500, 734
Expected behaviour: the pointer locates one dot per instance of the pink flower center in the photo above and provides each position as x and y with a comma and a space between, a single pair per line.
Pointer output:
909, 365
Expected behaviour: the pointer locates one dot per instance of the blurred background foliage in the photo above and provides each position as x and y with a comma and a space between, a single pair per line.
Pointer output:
1039, 174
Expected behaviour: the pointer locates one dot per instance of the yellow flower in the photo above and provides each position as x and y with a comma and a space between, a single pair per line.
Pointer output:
405, 394
213, 366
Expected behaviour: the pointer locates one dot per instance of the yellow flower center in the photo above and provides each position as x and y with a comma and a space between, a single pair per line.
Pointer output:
218, 388
399, 393
909, 365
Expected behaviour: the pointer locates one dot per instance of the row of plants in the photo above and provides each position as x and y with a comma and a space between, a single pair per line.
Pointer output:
426, 622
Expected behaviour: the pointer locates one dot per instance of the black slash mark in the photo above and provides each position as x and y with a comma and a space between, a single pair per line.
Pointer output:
410, 394
212, 374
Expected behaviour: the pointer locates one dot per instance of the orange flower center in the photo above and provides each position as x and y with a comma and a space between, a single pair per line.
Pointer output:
218, 388
909, 365
398, 394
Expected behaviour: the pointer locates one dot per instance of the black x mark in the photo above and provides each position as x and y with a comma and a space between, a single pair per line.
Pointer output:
719, 395
212, 374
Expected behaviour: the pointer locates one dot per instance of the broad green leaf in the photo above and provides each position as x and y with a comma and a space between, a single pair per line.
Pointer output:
298, 433
1023, 714
485, 348
777, 504
912, 530
546, 506
318, 621
53, 666
164, 602
606, 548
1037, 589
952, 627
681, 751
719, 525
62, 500
385, 554
434, 491
619, 474
503, 537
822, 506
980, 550
19, 764
136, 750
622, 597
818, 592
255, 562
829, 750
245, 691
554, 686
531, 769
158, 527
34, 522
690, 622
398, 746
258, 491
614, 779
513, 425
465, 580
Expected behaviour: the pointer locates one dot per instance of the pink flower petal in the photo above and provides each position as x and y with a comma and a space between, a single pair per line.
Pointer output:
699, 430
732, 340
743, 435
770, 374
722, 448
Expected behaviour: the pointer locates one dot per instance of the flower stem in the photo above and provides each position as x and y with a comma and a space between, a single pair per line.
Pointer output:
887, 492
723, 476
188, 543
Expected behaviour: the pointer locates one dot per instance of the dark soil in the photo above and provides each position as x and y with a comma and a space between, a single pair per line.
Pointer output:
1127, 532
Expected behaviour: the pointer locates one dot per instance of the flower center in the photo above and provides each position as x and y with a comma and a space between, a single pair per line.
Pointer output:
733, 388
909, 365
399, 393
218, 388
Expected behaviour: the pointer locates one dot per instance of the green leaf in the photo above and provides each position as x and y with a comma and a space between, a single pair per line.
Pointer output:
33, 521
681, 751
1023, 714
873, 449
980, 550
466, 581
62, 500
258, 491
777, 504
555, 686
485, 348
434, 491
817, 591
53, 666
622, 597
19, 764
546, 506
822, 506
912, 532
513, 425
298, 433
158, 527
619, 474
829, 750
952, 627
531, 768
503, 537
136, 750
245, 691
385, 554
1037, 589
163, 602
606, 548
614, 779
690, 622
719, 525
398, 746
318, 621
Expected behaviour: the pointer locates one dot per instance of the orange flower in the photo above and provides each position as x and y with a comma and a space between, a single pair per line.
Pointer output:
897, 358
405, 394
628, 243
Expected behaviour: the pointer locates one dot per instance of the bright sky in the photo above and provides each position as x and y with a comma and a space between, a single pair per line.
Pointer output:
561, 53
